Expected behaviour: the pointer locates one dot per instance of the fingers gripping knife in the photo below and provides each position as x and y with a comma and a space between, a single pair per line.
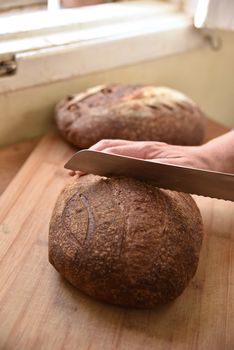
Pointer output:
168, 176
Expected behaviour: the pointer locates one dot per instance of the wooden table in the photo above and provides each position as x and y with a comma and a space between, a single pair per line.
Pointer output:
12, 158
39, 310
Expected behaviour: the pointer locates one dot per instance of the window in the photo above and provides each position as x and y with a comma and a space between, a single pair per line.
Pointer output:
49, 44
49, 4
19, 4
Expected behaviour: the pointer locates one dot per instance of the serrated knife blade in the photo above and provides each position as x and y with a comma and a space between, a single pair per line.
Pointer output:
179, 178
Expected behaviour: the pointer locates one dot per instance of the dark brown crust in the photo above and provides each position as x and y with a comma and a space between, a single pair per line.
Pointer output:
131, 112
125, 242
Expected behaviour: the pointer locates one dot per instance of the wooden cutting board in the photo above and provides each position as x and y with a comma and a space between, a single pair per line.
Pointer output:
40, 310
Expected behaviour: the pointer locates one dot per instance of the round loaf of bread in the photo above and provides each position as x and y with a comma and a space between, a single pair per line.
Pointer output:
130, 112
124, 241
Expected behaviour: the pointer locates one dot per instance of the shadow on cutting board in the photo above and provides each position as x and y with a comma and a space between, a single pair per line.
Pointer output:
164, 322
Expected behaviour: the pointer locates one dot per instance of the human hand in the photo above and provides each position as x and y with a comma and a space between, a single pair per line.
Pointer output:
191, 156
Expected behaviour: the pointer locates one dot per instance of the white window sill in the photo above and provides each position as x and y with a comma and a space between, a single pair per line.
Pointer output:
77, 42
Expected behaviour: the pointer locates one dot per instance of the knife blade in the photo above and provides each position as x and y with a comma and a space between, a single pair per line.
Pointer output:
168, 176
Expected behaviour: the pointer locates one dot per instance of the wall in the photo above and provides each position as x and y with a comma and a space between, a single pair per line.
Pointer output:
205, 75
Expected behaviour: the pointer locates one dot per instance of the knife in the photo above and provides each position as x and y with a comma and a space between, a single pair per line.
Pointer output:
167, 176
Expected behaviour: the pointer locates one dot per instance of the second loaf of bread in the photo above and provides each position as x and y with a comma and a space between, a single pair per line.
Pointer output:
130, 112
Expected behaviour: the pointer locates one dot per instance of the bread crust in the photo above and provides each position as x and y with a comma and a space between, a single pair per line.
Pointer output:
130, 112
125, 242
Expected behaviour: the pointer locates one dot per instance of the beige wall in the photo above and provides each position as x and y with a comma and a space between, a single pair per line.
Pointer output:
205, 75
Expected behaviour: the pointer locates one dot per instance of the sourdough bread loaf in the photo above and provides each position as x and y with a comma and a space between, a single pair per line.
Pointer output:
130, 112
124, 241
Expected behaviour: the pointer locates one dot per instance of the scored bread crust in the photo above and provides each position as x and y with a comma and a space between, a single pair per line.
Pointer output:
125, 242
130, 112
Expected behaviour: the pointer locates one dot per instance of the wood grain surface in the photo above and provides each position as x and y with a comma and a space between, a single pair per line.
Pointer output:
12, 158
40, 310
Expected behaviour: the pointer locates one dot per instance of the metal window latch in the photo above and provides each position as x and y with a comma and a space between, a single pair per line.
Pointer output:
8, 65
212, 39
